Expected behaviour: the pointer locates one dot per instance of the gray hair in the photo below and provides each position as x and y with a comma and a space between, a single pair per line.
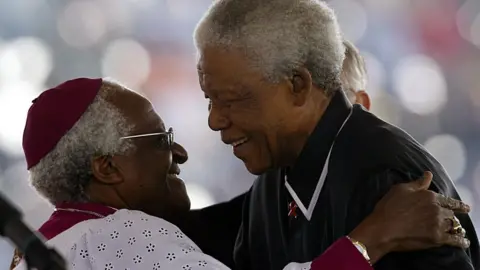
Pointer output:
354, 72
278, 36
63, 174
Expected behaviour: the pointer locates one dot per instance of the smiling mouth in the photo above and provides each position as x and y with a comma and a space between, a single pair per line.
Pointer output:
239, 142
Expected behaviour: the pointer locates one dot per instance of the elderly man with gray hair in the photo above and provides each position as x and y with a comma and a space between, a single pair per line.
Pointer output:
272, 72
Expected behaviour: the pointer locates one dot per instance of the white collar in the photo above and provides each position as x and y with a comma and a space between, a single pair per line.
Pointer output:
307, 212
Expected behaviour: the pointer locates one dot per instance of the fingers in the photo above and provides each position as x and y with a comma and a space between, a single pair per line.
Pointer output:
449, 234
420, 184
449, 203
452, 204
445, 219
425, 181
456, 240
449, 223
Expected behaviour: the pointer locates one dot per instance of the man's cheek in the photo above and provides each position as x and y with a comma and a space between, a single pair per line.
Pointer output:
244, 122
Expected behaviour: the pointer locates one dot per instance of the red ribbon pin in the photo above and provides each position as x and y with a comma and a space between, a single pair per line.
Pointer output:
292, 209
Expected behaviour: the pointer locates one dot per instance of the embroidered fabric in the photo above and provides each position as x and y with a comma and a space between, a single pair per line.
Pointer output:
134, 240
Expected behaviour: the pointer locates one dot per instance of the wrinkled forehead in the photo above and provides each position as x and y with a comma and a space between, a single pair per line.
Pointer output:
225, 70
139, 111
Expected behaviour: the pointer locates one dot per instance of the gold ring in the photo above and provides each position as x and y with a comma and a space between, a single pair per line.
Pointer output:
456, 226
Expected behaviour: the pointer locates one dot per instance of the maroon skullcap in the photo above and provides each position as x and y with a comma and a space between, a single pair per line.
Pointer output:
54, 113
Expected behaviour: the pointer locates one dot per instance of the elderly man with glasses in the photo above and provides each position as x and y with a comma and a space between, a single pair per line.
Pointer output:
93, 147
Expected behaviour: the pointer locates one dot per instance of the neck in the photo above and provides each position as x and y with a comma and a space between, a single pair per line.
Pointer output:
90, 208
107, 195
308, 122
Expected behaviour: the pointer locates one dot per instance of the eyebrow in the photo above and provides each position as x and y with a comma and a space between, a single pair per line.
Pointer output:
237, 89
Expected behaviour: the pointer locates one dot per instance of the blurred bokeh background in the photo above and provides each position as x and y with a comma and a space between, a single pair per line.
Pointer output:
423, 59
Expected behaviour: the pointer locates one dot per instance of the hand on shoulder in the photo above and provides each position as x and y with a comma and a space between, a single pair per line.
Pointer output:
411, 217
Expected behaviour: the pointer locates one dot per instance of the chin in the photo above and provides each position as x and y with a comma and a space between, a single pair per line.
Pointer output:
256, 168
185, 205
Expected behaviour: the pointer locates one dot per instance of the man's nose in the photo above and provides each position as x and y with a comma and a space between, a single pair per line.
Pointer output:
179, 154
217, 120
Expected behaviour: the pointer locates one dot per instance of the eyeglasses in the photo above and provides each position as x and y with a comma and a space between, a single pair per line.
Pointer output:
166, 139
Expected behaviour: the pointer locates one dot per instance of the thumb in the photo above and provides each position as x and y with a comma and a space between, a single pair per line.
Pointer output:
424, 182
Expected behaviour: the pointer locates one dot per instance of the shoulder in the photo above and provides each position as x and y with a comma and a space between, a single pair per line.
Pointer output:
373, 140
131, 238
134, 224
383, 154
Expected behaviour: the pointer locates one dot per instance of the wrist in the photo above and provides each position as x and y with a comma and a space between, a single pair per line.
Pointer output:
370, 234
361, 248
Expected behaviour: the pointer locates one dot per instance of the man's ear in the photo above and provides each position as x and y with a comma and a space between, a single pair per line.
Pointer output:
363, 99
302, 85
106, 171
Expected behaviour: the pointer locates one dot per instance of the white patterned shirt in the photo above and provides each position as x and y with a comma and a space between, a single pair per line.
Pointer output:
134, 240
